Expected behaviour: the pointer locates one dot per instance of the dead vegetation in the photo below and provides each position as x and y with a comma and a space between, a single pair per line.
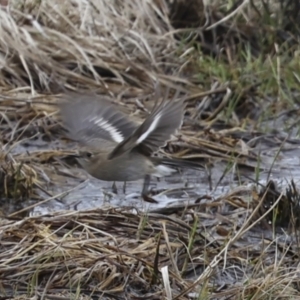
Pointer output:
237, 66
123, 254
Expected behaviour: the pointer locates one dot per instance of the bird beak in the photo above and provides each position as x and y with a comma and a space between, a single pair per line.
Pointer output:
75, 155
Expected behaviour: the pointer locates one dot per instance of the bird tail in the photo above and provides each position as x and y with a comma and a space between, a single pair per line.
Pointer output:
178, 163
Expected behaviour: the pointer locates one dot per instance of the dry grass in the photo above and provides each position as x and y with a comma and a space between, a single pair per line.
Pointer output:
210, 250
62, 42
123, 252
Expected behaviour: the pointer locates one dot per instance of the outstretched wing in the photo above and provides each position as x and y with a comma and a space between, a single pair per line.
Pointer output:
155, 131
90, 118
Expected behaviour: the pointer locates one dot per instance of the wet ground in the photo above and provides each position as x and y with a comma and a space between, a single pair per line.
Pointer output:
71, 188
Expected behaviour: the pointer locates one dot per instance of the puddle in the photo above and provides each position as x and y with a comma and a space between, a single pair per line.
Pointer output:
81, 191
93, 193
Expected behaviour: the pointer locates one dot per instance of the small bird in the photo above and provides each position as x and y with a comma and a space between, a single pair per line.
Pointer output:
115, 148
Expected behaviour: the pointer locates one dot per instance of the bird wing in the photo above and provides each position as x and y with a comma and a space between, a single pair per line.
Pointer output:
155, 131
90, 119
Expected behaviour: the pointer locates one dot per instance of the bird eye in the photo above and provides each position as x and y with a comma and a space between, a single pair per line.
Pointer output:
88, 154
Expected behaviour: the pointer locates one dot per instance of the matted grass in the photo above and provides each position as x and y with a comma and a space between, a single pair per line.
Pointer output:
128, 254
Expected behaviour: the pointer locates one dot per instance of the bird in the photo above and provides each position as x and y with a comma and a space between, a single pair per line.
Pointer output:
115, 148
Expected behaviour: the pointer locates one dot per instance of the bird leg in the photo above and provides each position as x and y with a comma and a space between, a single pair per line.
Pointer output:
146, 184
145, 191
124, 187
114, 188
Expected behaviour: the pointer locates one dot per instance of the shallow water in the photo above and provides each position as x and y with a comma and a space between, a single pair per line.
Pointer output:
81, 191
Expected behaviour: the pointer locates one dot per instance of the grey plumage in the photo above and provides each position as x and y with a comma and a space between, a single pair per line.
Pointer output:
81, 112
116, 148
165, 118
